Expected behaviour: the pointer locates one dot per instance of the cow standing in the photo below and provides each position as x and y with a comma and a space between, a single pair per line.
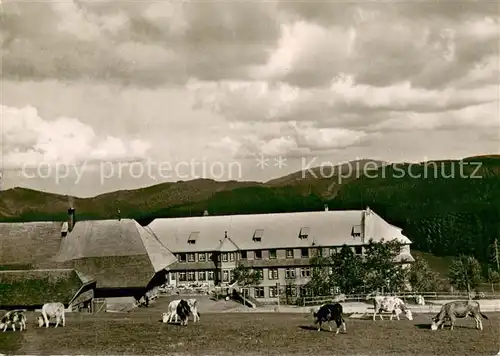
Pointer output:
183, 310
390, 304
458, 309
172, 310
12, 318
328, 313
51, 310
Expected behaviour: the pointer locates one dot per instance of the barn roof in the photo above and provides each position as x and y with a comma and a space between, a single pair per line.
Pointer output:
118, 253
36, 287
29, 244
265, 231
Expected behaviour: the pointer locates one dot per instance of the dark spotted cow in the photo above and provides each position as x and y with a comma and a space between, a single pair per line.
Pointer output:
328, 313
13, 317
183, 311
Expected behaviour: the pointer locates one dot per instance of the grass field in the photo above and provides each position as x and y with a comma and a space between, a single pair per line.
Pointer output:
142, 332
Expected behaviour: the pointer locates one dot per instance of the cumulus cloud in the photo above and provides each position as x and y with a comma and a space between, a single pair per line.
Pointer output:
28, 140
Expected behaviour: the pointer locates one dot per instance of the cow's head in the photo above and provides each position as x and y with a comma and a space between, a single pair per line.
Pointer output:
40, 321
164, 317
435, 323
409, 314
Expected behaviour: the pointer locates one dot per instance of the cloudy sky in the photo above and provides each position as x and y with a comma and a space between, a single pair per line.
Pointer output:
89, 85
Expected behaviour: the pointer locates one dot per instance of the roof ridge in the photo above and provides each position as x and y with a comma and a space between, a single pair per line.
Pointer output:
155, 239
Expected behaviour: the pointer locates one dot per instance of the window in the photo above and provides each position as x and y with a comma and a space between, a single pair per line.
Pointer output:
290, 273
358, 250
333, 251
319, 252
260, 272
305, 272
258, 255
225, 276
193, 237
304, 252
291, 291
304, 233
181, 257
243, 255
273, 273
191, 276
201, 257
272, 254
231, 256
210, 275
289, 253
273, 292
210, 256
356, 230
201, 276
191, 257
182, 276
224, 257
259, 292
258, 234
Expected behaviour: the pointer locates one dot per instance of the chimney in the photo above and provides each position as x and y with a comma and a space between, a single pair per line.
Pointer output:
225, 234
71, 219
326, 207
205, 213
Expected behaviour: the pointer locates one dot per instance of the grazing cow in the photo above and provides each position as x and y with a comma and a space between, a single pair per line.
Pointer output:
12, 318
390, 304
328, 313
458, 309
51, 310
183, 310
172, 310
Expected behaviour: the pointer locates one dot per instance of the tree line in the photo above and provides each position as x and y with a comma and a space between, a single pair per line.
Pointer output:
376, 271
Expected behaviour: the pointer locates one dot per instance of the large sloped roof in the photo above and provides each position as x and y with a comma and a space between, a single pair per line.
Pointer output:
36, 287
30, 244
118, 253
324, 228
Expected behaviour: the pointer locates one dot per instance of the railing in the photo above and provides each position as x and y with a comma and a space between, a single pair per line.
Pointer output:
318, 300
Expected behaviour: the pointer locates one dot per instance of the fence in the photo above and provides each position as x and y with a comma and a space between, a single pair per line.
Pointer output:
318, 300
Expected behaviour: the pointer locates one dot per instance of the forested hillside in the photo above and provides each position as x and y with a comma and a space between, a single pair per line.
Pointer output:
442, 208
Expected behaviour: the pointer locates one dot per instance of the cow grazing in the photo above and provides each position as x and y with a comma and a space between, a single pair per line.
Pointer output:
172, 310
13, 317
183, 310
390, 304
51, 310
458, 309
328, 313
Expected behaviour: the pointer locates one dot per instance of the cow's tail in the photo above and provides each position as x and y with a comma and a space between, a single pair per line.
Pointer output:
484, 316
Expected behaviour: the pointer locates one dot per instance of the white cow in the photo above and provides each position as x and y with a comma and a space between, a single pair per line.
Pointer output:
390, 304
171, 313
419, 300
51, 310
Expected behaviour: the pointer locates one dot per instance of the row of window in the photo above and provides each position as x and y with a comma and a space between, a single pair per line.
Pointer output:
272, 274
243, 255
259, 292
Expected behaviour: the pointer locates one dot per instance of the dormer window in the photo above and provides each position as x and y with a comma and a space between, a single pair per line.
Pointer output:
304, 233
257, 235
356, 231
193, 237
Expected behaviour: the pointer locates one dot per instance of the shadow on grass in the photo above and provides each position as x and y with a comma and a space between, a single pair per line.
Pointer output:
311, 328
423, 326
